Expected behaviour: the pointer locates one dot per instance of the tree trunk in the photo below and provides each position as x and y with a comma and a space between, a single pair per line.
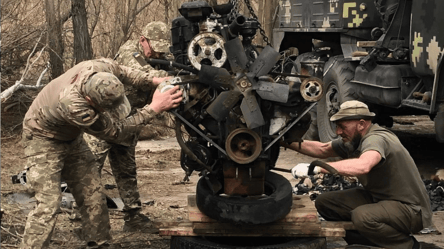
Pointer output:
56, 49
212, 2
82, 40
175, 6
166, 6
267, 9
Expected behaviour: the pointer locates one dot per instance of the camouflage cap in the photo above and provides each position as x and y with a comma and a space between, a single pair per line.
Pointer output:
159, 36
107, 92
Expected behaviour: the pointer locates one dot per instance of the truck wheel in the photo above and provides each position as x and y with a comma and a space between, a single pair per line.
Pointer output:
247, 242
338, 89
243, 210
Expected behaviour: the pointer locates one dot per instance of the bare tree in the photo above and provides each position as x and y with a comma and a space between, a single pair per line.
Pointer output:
267, 10
54, 36
82, 40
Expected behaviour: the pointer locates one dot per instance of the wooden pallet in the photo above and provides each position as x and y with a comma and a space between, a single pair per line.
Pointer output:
302, 221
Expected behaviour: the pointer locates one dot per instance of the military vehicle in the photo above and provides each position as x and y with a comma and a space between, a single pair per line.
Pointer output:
386, 53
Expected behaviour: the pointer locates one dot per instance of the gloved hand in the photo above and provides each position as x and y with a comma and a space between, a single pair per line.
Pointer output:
301, 170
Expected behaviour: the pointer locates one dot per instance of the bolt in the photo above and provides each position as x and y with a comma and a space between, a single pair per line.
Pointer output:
243, 83
312, 89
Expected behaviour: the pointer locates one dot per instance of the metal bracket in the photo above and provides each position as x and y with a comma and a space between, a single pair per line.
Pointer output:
289, 126
199, 132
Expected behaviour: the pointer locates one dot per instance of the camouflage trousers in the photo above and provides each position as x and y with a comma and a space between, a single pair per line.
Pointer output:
48, 161
123, 165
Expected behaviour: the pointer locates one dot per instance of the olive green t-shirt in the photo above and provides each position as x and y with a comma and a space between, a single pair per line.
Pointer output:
396, 176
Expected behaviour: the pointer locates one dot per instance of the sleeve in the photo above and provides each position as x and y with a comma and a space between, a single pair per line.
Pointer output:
340, 149
376, 143
121, 132
77, 112
126, 58
127, 75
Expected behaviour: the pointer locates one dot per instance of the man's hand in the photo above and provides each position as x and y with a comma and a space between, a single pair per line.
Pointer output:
301, 170
166, 100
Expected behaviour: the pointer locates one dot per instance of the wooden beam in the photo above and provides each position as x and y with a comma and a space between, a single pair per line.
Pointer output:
366, 44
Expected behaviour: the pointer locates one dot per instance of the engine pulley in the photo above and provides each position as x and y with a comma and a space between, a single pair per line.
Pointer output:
243, 145
207, 48
311, 89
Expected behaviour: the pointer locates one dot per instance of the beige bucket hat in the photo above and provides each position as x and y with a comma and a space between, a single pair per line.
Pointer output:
352, 110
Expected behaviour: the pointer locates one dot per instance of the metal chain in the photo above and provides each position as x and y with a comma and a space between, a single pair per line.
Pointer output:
262, 31
235, 10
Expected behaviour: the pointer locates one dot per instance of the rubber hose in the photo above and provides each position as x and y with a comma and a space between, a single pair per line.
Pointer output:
173, 64
325, 166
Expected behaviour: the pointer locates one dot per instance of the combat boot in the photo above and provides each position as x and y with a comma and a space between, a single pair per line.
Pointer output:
137, 222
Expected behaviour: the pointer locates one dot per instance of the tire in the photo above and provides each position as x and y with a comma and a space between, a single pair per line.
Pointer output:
247, 243
240, 210
338, 89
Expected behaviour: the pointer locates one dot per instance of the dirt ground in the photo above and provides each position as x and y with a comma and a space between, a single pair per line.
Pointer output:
164, 194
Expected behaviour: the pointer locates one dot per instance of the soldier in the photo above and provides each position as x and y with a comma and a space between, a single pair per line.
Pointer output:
153, 43
87, 98
393, 202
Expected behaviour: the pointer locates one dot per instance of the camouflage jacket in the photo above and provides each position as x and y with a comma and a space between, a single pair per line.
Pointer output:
136, 96
60, 110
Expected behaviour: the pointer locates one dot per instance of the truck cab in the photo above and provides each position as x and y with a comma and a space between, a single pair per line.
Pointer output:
386, 53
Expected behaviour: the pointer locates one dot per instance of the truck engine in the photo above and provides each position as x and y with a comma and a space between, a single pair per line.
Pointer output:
240, 102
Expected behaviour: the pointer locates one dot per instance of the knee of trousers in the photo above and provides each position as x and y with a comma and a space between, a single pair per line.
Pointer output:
49, 208
322, 201
361, 220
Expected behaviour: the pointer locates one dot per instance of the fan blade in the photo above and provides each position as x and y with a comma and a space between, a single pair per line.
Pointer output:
251, 111
264, 62
236, 55
272, 91
222, 105
215, 77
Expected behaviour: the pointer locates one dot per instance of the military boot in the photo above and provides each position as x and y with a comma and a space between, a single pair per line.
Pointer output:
137, 222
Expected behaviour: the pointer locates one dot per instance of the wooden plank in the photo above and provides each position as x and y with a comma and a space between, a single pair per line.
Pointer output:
294, 231
271, 229
366, 44
346, 225
302, 221
177, 231
303, 211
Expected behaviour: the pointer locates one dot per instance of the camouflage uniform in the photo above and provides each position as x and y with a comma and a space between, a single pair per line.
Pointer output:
55, 149
121, 157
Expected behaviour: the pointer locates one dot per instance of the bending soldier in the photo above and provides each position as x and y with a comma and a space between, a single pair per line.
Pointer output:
87, 98
153, 43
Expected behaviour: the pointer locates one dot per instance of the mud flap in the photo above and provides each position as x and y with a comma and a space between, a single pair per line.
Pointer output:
439, 124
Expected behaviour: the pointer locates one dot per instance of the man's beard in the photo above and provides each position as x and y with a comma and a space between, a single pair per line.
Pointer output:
354, 142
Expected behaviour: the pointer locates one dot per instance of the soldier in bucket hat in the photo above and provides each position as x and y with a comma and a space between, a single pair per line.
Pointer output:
88, 98
392, 203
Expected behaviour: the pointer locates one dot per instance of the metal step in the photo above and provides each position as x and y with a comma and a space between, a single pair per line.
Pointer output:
415, 103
